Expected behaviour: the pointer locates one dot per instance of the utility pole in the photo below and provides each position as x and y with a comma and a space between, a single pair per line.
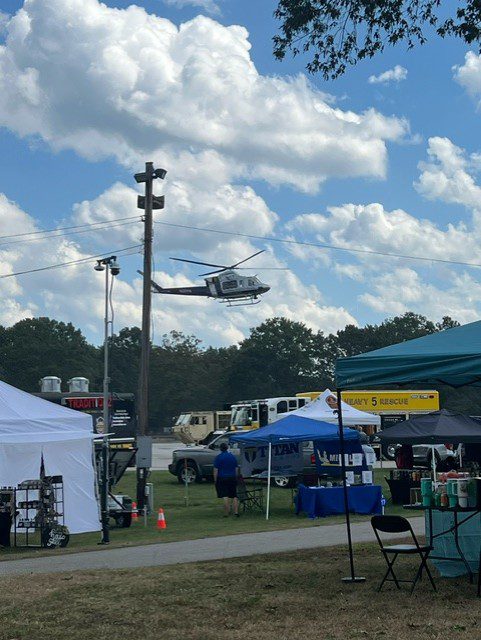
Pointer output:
148, 203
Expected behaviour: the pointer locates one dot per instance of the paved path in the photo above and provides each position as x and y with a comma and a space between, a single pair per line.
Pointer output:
169, 553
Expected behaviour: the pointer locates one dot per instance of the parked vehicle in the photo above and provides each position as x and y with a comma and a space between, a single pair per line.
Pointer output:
193, 427
196, 463
446, 457
252, 414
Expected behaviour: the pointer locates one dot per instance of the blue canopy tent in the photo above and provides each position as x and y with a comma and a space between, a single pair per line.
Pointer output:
292, 428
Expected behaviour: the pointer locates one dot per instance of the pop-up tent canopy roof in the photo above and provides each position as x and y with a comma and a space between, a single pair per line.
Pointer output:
293, 428
451, 357
325, 408
26, 418
32, 429
438, 427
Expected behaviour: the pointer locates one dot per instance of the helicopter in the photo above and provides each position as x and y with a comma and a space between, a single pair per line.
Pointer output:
228, 286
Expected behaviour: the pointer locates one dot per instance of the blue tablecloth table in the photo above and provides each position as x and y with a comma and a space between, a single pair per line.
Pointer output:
319, 502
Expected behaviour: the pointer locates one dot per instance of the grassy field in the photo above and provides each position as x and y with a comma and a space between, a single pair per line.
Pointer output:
201, 517
284, 597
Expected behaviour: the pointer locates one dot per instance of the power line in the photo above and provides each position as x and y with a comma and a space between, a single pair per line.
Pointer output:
77, 226
71, 262
71, 233
319, 245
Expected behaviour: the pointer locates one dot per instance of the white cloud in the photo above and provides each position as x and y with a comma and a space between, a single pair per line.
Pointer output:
371, 227
468, 75
393, 286
404, 290
446, 175
76, 293
209, 6
396, 74
4, 18
225, 207
123, 83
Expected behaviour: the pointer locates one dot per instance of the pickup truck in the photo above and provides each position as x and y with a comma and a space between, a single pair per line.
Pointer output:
196, 463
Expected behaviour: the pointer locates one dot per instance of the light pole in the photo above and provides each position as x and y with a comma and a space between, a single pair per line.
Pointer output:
109, 265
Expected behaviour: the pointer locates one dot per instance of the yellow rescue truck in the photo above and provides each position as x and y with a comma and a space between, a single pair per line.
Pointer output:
392, 406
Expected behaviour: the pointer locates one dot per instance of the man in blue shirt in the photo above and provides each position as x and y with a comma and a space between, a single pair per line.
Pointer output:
225, 478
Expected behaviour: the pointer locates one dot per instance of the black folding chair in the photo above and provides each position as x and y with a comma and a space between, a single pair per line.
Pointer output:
249, 499
398, 524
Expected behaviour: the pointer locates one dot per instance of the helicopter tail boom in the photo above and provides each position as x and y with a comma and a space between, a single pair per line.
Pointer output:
179, 291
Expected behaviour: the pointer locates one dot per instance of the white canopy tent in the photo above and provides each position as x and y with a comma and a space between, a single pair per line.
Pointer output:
325, 408
32, 428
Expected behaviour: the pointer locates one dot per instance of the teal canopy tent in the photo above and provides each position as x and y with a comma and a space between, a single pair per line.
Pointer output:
451, 357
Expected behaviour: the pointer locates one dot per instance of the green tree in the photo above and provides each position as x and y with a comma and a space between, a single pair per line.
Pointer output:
125, 359
174, 373
339, 33
353, 340
35, 347
280, 357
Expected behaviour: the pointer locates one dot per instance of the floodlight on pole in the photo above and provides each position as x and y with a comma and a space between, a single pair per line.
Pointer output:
111, 267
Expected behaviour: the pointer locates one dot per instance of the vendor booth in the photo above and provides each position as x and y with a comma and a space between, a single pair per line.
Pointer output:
452, 503
280, 438
47, 473
451, 357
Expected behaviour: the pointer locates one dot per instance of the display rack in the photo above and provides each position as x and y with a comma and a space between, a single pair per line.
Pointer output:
40, 507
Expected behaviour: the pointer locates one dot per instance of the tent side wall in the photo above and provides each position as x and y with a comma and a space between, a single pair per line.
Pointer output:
74, 461
19, 461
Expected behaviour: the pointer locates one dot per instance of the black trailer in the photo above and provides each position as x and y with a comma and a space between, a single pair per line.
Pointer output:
122, 410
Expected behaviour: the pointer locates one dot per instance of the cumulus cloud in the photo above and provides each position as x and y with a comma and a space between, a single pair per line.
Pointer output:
372, 227
75, 293
446, 175
209, 6
393, 286
4, 18
123, 83
396, 74
226, 207
468, 75
405, 290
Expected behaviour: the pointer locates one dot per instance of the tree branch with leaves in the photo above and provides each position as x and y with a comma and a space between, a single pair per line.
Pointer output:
340, 33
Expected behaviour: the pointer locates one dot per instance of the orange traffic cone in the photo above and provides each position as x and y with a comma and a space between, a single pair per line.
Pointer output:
161, 523
135, 513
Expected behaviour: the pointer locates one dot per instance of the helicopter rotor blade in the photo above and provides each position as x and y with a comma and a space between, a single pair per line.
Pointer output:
211, 273
245, 259
206, 264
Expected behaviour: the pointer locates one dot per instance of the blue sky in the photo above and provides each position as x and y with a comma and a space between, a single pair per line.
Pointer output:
74, 133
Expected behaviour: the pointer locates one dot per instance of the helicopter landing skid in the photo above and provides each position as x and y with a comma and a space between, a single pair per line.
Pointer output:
241, 302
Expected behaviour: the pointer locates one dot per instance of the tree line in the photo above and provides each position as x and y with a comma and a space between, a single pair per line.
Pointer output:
279, 357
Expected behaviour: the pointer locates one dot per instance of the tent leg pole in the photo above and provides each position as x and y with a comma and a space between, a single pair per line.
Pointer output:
352, 577
269, 481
